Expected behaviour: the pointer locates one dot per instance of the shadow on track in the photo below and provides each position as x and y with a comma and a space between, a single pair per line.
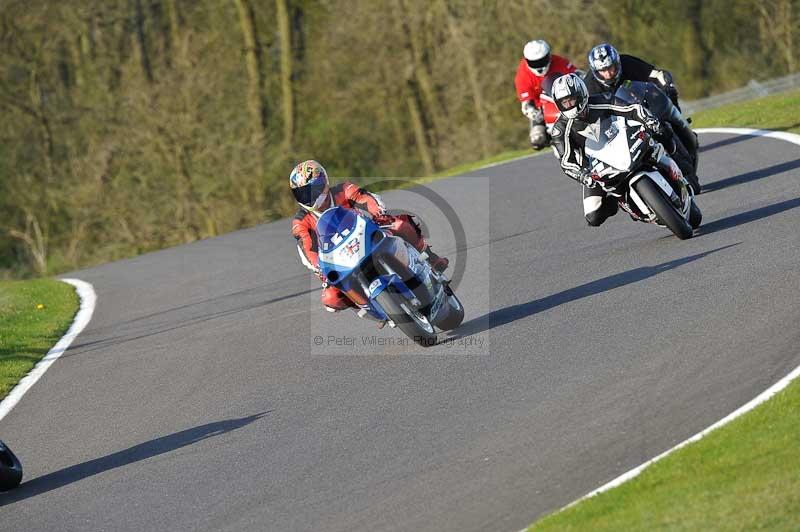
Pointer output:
137, 453
746, 217
751, 176
179, 322
513, 313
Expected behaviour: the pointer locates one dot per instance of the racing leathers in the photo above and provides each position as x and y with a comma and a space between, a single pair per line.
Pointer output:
351, 196
635, 69
569, 141
529, 90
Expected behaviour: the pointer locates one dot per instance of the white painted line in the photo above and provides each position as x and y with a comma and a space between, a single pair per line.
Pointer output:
772, 390
781, 135
88, 299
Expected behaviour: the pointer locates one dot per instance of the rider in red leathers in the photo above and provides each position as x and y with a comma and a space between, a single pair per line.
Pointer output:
310, 187
536, 63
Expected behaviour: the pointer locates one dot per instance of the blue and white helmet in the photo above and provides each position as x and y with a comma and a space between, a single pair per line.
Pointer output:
605, 64
571, 95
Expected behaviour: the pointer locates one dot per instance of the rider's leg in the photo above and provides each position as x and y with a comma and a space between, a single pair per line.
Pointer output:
409, 230
334, 300
684, 132
598, 206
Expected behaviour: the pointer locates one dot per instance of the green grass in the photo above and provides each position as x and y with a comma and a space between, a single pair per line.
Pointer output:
780, 112
33, 316
743, 476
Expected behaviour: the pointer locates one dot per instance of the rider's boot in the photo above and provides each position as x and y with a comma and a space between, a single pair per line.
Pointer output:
364, 313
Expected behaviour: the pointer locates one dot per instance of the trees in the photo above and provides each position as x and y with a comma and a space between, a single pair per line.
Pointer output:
130, 125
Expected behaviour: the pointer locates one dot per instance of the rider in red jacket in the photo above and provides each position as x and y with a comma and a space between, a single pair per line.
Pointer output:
536, 63
309, 184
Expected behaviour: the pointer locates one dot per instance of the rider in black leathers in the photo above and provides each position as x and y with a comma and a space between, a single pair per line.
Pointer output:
608, 70
580, 118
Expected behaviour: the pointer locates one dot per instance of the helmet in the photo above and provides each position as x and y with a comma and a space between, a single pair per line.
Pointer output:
309, 184
537, 55
605, 65
571, 96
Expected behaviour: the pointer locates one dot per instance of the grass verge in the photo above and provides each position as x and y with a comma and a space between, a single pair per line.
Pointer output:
742, 476
779, 112
33, 316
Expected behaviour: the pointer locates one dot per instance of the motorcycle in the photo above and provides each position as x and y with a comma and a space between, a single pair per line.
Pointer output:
10, 469
385, 276
660, 105
620, 153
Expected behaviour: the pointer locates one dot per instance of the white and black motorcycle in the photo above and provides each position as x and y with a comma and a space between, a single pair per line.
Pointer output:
622, 156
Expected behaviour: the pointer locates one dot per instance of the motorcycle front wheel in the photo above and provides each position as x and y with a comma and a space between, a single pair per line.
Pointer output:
660, 204
455, 312
414, 324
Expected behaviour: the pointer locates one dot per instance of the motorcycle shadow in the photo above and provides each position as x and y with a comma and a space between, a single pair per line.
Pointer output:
503, 316
137, 453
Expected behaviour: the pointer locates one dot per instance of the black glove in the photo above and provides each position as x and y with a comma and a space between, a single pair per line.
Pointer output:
654, 125
586, 178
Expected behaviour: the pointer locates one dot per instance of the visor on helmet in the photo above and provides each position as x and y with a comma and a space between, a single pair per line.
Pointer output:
308, 194
538, 64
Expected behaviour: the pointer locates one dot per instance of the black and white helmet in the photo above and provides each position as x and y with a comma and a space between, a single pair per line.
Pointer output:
605, 64
571, 95
537, 55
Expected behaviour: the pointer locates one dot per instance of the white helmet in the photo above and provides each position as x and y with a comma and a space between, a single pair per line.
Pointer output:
537, 55
570, 94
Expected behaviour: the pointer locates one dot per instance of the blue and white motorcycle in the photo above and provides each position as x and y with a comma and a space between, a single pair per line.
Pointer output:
385, 276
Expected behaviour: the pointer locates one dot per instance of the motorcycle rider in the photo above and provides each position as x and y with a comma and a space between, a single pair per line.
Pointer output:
312, 191
579, 119
608, 70
535, 64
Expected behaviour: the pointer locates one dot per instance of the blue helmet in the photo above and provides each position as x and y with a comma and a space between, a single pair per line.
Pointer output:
605, 65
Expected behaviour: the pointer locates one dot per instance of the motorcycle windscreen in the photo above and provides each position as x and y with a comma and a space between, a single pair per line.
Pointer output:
645, 93
607, 141
343, 245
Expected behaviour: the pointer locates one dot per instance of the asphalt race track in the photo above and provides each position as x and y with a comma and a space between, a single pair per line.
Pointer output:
211, 392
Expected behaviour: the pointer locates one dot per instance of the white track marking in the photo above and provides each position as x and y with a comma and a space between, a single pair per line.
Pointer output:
772, 390
781, 135
88, 299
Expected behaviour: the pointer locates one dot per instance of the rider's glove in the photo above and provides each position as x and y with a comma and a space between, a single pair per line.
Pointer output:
529, 110
383, 219
587, 178
653, 124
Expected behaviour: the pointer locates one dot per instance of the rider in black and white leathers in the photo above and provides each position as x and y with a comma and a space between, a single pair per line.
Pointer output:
608, 69
569, 139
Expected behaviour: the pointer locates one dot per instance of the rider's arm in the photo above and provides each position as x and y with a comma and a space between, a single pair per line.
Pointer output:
363, 199
635, 69
307, 245
526, 90
567, 151
633, 111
